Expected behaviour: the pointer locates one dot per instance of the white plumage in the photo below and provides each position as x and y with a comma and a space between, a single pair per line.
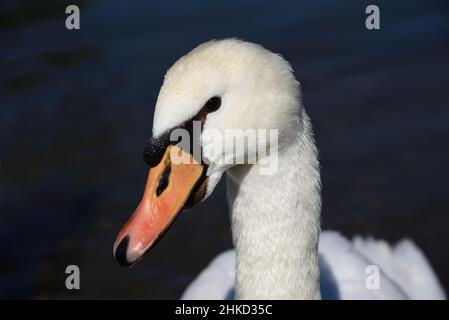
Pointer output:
404, 271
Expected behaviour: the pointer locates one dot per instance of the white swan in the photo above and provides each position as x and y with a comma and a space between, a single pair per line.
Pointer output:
275, 218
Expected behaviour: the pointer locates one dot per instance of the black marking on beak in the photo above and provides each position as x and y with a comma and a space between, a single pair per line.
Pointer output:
154, 149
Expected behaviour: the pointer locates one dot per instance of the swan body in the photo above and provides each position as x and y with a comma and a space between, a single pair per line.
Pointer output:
405, 272
275, 217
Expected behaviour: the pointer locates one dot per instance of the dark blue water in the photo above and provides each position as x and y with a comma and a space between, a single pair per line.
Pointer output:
77, 106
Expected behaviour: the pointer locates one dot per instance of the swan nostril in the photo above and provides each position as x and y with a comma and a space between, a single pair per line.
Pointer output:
163, 180
120, 252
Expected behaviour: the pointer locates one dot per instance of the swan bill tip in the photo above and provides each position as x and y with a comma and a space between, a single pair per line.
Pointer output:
120, 253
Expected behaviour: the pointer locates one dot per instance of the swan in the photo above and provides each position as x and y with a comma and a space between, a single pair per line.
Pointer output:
280, 251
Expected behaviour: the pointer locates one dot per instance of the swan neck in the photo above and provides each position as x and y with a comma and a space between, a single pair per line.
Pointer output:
276, 224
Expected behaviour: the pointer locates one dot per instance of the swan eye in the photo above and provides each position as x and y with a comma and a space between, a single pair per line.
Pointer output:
213, 104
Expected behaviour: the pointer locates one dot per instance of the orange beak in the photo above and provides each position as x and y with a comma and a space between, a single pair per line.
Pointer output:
170, 188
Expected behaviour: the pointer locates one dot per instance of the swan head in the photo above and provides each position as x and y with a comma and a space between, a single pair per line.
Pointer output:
221, 95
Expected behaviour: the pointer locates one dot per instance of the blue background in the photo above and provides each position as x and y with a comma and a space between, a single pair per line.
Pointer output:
76, 108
